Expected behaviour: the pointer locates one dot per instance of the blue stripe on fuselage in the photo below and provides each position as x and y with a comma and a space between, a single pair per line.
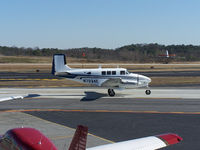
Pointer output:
72, 76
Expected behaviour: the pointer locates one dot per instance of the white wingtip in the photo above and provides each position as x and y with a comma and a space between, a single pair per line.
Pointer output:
11, 98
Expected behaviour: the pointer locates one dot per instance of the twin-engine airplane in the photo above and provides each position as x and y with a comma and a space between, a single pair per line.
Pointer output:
111, 78
32, 139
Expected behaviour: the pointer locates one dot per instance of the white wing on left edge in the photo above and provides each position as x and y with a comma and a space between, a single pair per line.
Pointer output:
11, 98
147, 143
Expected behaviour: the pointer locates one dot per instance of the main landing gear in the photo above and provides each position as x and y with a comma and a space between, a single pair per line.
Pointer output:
148, 92
111, 92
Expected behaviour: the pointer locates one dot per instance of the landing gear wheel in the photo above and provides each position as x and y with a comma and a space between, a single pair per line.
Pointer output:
111, 92
148, 92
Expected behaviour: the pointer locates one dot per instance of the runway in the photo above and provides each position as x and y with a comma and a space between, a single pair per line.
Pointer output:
131, 114
32, 75
41, 75
170, 73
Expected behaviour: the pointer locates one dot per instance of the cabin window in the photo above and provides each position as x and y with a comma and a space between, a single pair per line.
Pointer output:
89, 73
103, 73
113, 72
122, 72
108, 72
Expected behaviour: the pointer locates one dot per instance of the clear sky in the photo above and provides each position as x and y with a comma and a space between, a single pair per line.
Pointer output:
98, 23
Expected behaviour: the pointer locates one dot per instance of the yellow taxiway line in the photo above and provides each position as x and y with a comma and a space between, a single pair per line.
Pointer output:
104, 111
69, 128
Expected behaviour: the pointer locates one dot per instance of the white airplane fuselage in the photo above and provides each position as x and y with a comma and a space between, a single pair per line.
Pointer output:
111, 78
98, 76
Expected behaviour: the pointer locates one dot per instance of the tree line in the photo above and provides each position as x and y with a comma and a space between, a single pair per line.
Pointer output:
129, 53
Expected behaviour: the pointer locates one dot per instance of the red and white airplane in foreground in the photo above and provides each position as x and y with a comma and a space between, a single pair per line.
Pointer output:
32, 139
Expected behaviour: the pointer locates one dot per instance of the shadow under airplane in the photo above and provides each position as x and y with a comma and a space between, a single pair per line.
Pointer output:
32, 95
92, 96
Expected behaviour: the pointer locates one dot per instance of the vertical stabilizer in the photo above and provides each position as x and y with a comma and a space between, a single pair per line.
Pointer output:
80, 138
167, 53
59, 64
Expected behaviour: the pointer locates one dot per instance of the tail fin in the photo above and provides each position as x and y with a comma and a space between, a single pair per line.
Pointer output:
59, 63
80, 138
167, 53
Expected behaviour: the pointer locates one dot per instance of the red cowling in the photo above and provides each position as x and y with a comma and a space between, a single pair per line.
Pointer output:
31, 139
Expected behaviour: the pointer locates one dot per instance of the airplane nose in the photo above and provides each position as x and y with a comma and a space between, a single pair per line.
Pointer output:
148, 79
145, 78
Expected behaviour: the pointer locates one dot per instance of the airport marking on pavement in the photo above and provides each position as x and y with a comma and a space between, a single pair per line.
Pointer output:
60, 137
104, 111
69, 128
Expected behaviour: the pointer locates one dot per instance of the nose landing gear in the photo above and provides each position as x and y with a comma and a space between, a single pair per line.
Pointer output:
148, 92
111, 92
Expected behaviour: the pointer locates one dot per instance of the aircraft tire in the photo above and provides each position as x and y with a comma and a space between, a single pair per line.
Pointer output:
148, 92
111, 92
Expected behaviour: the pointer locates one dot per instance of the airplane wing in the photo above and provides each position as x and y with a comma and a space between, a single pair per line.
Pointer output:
11, 98
111, 82
147, 143
116, 82
130, 81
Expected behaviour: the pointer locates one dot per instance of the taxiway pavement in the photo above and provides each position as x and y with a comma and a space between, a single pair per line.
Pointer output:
6, 76
131, 114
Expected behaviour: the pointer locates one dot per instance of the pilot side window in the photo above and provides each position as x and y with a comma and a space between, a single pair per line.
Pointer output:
103, 73
113, 72
122, 72
108, 72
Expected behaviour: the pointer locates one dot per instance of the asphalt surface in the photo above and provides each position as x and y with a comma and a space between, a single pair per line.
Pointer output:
125, 126
170, 73
120, 119
36, 75
109, 104
116, 119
